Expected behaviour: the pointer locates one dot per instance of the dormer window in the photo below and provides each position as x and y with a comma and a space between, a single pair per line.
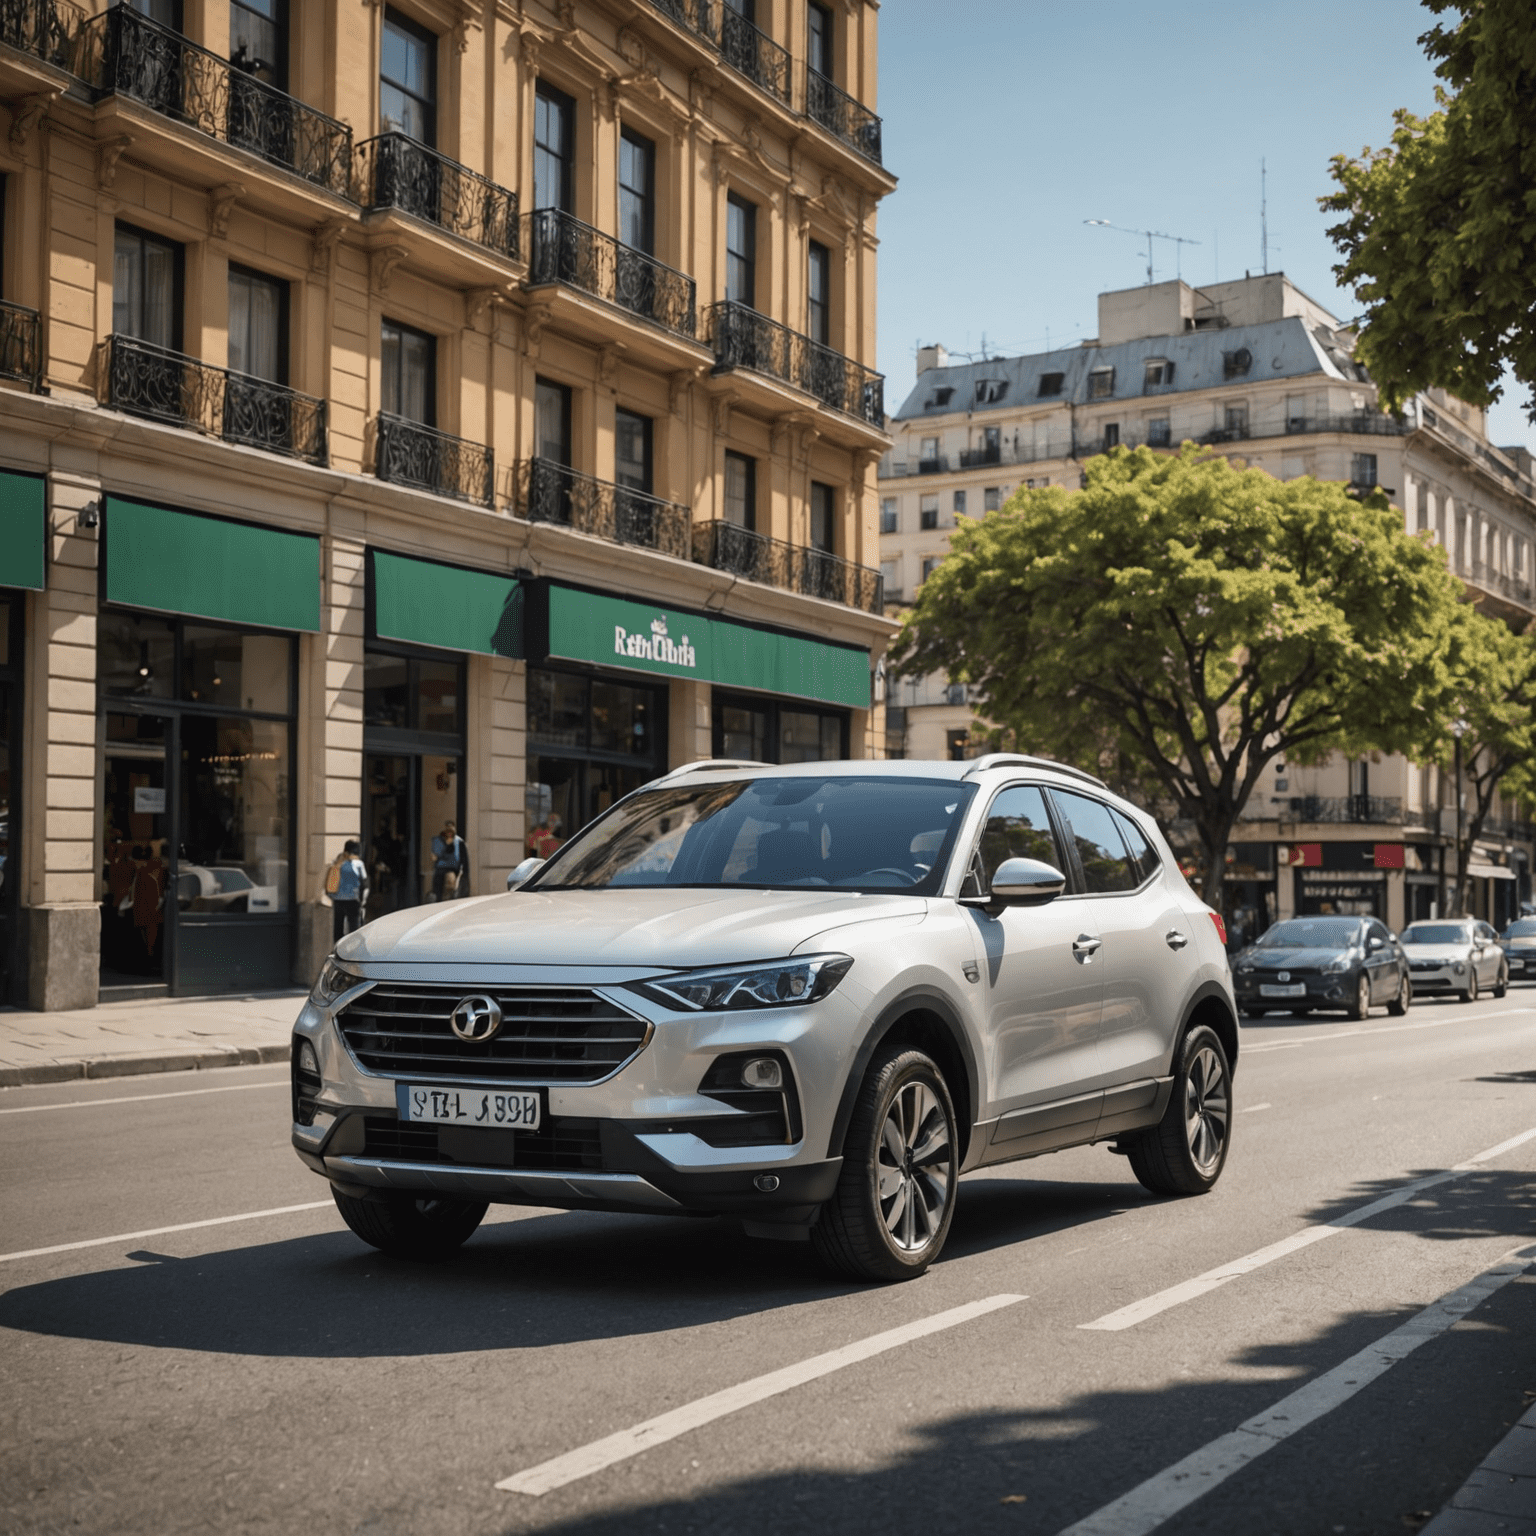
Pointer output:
990, 391
1050, 384
1159, 374
941, 396
1235, 365
1101, 383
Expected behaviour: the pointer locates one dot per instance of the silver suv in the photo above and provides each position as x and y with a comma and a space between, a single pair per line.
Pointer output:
809, 997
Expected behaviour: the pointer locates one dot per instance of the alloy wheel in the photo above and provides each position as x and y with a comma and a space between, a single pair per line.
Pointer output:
1363, 997
1207, 1108
912, 1167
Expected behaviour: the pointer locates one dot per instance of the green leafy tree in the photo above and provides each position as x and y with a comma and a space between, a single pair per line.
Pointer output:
1439, 233
1197, 620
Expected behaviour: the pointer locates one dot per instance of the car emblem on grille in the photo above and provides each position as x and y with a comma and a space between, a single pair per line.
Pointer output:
1283, 976
476, 1018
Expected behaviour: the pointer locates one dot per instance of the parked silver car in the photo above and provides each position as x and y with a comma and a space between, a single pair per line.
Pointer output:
1460, 955
1518, 941
809, 997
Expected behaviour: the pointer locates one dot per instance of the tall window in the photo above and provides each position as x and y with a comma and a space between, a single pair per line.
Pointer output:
410, 373
637, 192
632, 451
146, 288
928, 511
823, 518
554, 150
741, 490
552, 421
819, 293
258, 325
740, 251
258, 39
890, 518
166, 12
818, 38
408, 79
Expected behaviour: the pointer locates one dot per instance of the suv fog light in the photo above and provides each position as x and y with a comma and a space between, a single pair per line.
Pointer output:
762, 1072
308, 1061
766, 1182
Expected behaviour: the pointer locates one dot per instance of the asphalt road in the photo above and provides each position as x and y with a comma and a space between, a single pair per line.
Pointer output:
274, 1374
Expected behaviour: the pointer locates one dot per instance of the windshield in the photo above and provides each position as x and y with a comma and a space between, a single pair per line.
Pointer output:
1437, 933
844, 833
1523, 929
1312, 933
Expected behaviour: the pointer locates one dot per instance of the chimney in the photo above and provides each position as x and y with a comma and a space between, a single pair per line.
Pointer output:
931, 357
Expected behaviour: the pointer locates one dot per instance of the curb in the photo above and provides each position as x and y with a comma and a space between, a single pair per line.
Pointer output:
135, 1066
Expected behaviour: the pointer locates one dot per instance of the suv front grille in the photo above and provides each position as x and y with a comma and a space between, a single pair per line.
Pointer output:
562, 1145
548, 1034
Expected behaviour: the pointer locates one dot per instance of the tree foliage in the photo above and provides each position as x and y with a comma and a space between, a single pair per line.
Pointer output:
1439, 233
1198, 620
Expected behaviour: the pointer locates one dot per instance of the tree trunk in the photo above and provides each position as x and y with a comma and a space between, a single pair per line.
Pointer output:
1215, 829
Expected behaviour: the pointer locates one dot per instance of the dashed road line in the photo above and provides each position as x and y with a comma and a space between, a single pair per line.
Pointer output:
1384, 1029
143, 1098
1249, 1109
184, 1226
1175, 1488
587, 1459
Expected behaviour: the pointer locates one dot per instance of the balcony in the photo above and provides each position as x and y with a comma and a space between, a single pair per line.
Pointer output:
975, 458
727, 547
145, 380
1361, 423
396, 172
562, 249
122, 53
21, 355
1231, 434
45, 29
410, 453
1379, 810
1498, 583
842, 116
546, 492
745, 339
696, 16
754, 54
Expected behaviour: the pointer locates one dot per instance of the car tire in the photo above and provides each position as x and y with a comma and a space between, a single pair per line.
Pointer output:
405, 1227
1360, 1004
1501, 983
1399, 1004
1186, 1151
1253, 1013
1469, 992
895, 1196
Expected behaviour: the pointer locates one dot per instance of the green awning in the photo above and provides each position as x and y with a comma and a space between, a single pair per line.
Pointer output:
211, 567
23, 530
426, 603
645, 637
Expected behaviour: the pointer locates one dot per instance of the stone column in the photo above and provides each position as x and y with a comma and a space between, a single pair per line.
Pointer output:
690, 733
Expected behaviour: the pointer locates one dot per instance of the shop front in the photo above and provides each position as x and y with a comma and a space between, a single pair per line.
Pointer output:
197, 685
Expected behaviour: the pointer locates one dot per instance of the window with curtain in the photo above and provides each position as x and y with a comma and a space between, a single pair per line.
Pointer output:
408, 79
637, 192
409, 373
818, 39
258, 325
166, 12
741, 490
632, 451
819, 294
146, 288
823, 518
258, 39
552, 421
554, 149
741, 251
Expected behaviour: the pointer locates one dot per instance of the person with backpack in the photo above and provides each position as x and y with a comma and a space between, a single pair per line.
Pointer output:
450, 864
346, 883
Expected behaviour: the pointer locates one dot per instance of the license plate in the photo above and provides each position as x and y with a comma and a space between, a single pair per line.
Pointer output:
1296, 989
511, 1110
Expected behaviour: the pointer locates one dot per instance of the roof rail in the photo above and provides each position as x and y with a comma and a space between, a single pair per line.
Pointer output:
1019, 759
713, 765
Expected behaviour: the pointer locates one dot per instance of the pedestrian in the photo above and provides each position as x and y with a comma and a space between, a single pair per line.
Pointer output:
346, 883
450, 864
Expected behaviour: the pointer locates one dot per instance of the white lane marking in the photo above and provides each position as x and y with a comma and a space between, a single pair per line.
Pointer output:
1249, 1109
1200, 1285
1382, 1029
587, 1459
185, 1226
1175, 1488
142, 1098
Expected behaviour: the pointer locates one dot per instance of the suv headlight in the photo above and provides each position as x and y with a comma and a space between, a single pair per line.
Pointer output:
769, 984
1334, 967
335, 979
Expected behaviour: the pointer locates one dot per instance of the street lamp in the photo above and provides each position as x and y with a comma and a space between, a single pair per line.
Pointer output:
1459, 728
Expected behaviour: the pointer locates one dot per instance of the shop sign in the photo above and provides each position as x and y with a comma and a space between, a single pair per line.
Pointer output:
656, 646
23, 531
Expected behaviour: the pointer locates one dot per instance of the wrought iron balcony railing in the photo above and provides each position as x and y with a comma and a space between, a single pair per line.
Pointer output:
841, 115
546, 492
1381, 810
728, 547
46, 29
21, 354
975, 458
745, 339
395, 171
124, 53
754, 54
410, 453
699, 17
562, 249
146, 380
1360, 423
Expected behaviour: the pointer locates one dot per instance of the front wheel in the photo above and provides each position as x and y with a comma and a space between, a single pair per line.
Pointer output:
1501, 982
1399, 1004
409, 1228
895, 1197
1185, 1153
1361, 1006
1469, 992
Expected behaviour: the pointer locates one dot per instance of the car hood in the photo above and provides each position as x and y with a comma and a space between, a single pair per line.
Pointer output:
1437, 951
659, 928
1289, 959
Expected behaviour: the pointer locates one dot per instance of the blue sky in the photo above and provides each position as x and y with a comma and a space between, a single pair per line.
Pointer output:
1010, 122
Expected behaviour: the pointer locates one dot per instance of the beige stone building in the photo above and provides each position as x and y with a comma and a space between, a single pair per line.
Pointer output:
412, 412
1256, 370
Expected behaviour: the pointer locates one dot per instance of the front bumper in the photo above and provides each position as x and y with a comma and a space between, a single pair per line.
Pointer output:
1333, 991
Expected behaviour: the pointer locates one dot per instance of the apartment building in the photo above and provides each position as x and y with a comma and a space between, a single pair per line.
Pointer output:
412, 412
1258, 371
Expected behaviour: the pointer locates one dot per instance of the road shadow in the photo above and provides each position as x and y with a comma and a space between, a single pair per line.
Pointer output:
1485, 1202
1508, 1077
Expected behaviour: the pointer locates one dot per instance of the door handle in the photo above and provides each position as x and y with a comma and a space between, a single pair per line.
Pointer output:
1175, 939
1085, 946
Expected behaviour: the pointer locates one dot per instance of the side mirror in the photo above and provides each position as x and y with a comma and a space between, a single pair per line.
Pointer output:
524, 872
1021, 883
1374, 942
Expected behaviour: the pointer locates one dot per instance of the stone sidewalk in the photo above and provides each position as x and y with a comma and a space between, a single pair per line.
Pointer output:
161, 1034
1499, 1499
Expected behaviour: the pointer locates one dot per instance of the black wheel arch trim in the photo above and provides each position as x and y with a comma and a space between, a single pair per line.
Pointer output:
1206, 992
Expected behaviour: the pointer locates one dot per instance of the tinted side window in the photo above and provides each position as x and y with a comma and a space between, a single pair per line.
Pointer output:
1106, 863
1140, 845
1018, 827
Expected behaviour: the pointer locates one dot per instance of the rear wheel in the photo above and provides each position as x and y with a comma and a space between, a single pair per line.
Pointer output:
890, 1213
1399, 1004
1185, 1153
1469, 992
1501, 982
1361, 1006
409, 1228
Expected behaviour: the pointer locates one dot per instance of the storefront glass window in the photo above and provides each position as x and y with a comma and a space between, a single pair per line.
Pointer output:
386, 690
437, 695
743, 733
234, 670
619, 719
557, 708
136, 655
770, 732
807, 738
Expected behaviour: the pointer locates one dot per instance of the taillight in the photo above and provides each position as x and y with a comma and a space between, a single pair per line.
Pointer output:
1221, 927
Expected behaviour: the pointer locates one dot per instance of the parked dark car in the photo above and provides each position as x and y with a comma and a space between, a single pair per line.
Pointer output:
1518, 941
1308, 963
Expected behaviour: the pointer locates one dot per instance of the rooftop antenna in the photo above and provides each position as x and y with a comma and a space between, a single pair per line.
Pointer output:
1150, 235
1263, 215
